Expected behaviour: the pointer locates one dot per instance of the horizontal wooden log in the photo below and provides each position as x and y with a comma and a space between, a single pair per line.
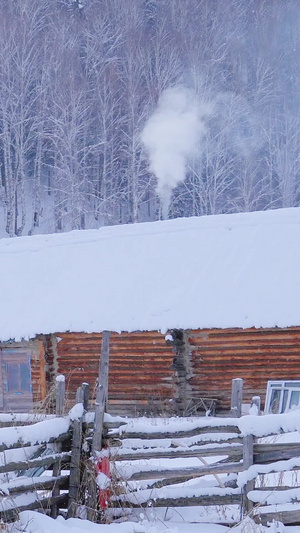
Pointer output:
114, 442
48, 460
226, 499
21, 419
279, 455
263, 452
175, 435
20, 444
288, 518
41, 484
42, 503
114, 425
167, 482
225, 468
276, 446
233, 451
276, 488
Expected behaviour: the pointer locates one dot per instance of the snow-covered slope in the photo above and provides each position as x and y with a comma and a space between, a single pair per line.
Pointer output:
237, 270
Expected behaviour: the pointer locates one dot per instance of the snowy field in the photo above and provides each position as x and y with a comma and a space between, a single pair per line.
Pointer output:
31, 522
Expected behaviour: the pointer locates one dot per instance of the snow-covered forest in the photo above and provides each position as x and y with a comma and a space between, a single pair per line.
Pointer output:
117, 111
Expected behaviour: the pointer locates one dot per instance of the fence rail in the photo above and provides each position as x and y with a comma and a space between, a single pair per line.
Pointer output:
238, 447
51, 457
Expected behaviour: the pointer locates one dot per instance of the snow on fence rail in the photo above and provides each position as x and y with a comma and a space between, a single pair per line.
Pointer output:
44, 458
160, 462
40, 459
29, 451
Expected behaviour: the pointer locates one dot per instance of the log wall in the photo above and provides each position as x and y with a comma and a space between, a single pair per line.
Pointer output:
140, 373
256, 355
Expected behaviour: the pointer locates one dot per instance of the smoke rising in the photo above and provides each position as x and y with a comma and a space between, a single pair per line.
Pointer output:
170, 137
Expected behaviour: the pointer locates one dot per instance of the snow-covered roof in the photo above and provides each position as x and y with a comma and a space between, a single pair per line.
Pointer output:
238, 270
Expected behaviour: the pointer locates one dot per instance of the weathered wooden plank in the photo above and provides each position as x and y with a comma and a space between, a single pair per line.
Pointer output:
56, 486
40, 503
167, 482
256, 402
276, 446
226, 499
247, 462
236, 397
113, 425
75, 467
224, 468
42, 484
60, 389
276, 455
85, 387
39, 461
173, 453
175, 435
20, 444
102, 392
114, 442
288, 518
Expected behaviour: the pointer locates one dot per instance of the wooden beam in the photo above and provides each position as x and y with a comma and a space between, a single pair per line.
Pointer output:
178, 434
39, 461
41, 484
170, 453
20, 444
75, 470
39, 503
42, 383
247, 462
256, 402
85, 395
236, 397
60, 387
226, 499
287, 518
224, 468
102, 393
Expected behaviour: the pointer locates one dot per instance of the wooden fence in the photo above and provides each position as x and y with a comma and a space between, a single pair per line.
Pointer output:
49, 461
30, 451
244, 457
45, 460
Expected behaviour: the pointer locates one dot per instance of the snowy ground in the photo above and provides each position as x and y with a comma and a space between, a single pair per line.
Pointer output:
32, 522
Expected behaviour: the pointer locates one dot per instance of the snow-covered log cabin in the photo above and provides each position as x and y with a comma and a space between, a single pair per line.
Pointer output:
192, 303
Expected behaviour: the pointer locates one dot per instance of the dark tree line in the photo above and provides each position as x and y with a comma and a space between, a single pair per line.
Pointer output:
80, 78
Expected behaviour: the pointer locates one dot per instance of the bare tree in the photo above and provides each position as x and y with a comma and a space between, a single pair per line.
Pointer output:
22, 24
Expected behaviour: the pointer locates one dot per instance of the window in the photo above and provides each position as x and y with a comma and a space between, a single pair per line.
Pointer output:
18, 377
282, 396
15, 378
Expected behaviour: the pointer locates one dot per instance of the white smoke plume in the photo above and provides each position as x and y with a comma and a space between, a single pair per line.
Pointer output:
171, 136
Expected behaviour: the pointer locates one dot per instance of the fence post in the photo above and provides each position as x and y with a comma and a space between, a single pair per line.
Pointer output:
60, 386
75, 465
85, 395
102, 393
248, 460
255, 404
236, 397
82, 395
100, 405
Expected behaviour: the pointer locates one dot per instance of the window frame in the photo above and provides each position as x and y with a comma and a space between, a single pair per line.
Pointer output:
283, 386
